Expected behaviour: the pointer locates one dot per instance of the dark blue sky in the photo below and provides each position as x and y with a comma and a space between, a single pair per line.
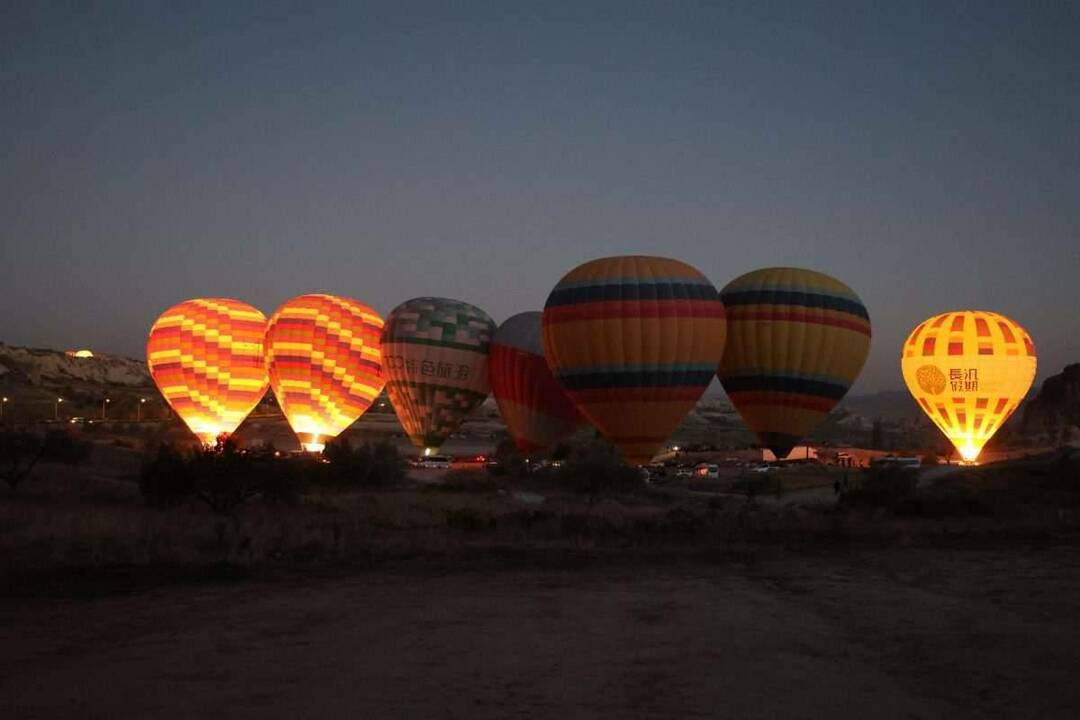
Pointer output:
926, 154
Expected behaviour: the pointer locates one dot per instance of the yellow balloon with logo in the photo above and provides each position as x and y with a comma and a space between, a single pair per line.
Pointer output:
969, 370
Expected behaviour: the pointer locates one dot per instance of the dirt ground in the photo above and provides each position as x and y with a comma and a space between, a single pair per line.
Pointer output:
902, 634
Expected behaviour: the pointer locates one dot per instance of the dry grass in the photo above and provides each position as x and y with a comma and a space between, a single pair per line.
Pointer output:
68, 520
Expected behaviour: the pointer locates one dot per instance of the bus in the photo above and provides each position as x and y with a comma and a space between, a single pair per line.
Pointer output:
892, 461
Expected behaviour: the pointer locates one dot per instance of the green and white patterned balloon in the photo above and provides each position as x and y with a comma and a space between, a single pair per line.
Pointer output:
435, 354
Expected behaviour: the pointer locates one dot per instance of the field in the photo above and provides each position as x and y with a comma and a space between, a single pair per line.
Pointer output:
890, 634
472, 596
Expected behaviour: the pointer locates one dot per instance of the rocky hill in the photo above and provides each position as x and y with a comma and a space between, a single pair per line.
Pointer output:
32, 379
890, 405
49, 368
1054, 413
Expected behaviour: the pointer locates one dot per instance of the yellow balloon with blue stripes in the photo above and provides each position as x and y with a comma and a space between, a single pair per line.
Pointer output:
634, 340
797, 340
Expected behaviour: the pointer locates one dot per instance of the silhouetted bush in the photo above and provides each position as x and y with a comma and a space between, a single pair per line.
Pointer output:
511, 461
223, 477
19, 452
896, 489
947, 500
883, 487
167, 478
931, 459
368, 465
561, 451
469, 481
61, 446
596, 468
1063, 473
226, 476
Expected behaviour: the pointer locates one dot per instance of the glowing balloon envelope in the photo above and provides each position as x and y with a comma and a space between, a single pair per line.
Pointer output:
436, 357
968, 370
797, 340
206, 357
635, 341
324, 358
537, 411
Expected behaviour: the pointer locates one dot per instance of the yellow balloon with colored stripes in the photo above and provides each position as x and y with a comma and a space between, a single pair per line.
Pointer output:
634, 341
797, 340
969, 370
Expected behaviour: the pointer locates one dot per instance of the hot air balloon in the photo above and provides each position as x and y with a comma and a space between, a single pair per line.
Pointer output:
635, 341
537, 411
436, 354
324, 358
968, 370
797, 340
206, 357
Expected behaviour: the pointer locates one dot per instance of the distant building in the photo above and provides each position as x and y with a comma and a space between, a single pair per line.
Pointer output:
799, 452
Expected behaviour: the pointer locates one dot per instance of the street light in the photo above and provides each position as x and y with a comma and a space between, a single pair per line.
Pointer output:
104, 403
141, 401
56, 408
2, 404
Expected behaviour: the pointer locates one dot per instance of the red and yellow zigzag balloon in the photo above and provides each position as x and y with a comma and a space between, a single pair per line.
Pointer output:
324, 358
206, 357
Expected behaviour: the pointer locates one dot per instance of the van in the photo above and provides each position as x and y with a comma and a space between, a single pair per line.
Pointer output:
441, 462
892, 461
706, 471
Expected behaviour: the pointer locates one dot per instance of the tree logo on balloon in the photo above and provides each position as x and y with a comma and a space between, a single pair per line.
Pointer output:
931, 379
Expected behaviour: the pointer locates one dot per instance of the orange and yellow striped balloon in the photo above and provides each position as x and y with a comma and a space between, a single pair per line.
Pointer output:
206, 357
324, 357
969, 370
634, 341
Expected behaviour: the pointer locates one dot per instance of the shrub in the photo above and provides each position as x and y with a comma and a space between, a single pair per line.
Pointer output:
19, 452
166, 479
596, 468
754, 485
511, 461
947, 500
883, 487
227, 476
61, 446
387, 465
369, 465
223, 477
1063, 474
468, 481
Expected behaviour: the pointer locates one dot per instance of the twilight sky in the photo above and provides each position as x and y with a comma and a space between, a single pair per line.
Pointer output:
926, 154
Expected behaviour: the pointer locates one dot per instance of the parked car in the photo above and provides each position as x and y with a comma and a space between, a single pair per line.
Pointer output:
440, 462
465, 462
706, 471
684, 471
892, 461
